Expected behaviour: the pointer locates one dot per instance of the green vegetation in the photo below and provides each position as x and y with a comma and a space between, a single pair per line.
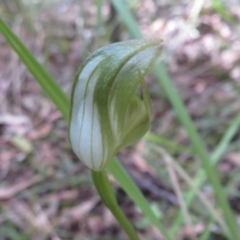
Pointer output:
195, 161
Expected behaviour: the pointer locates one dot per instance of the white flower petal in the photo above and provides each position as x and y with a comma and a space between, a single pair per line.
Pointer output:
85, 132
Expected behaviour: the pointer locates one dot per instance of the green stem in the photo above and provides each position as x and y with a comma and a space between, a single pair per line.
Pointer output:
107, 196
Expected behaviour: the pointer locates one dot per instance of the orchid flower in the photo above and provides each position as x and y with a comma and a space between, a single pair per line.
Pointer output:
107, 113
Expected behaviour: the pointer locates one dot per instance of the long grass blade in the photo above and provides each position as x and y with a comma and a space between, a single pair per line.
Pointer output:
152, 137
201, 176
135, 194
222, 11
199, 147
123, 10
44, 79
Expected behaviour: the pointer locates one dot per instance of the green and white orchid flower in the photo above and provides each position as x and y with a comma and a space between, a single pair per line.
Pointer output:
107, 113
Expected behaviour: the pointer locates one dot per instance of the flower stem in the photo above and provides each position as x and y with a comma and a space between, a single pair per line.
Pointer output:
107, 196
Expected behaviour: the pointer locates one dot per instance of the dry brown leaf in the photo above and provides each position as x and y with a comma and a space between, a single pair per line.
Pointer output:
41, 132
234, 157
6, 193
80, 211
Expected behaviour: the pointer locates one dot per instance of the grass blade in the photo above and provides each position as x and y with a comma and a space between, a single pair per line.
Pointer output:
152, 137
135, 194
45, 80
201, 176
199, 147
125, 13
222, 11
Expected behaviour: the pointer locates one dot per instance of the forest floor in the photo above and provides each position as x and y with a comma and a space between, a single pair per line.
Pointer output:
45, 191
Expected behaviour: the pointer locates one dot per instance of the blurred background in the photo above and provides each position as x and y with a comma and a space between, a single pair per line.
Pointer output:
45, 191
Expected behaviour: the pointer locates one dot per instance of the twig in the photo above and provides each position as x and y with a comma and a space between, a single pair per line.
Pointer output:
177, 189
